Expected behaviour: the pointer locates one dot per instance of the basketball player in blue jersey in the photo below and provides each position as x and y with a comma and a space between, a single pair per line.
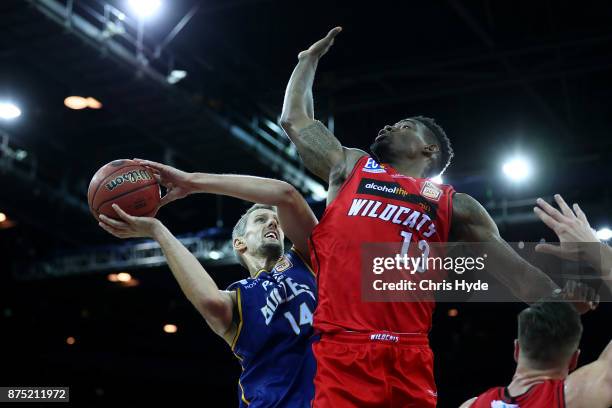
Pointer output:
266, 318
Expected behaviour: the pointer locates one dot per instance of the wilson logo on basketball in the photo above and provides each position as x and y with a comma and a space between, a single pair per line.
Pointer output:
133, 176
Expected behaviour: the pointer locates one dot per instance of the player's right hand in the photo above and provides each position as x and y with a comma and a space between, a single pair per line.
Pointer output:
176, 182
318, 49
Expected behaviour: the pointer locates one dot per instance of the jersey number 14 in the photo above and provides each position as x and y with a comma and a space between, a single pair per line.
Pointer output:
305, 318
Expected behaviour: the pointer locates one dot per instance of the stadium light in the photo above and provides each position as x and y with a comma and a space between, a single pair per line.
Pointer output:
604, 234
170, 328
175, 76
9, 111
517, 169
70, 340
145, 8
438, 179
215, 254
2, 217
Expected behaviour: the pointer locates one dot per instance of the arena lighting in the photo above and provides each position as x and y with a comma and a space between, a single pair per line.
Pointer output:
145, 8
79, 102
2, 217
215, 255
93, 103
124, 277
175, 76
437, 180
170, 328
453, 312
604, 234
9, 111
112, 277
70, 340
517, 169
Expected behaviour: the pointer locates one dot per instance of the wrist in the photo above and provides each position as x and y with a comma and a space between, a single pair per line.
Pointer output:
196, 183
158, 229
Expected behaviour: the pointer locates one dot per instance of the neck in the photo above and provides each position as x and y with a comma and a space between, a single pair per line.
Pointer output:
412, 168
256, 264
525, 377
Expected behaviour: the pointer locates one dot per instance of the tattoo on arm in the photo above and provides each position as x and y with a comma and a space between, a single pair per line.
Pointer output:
319, 149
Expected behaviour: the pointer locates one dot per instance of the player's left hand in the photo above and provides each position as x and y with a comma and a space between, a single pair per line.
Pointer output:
129, 226
583, 297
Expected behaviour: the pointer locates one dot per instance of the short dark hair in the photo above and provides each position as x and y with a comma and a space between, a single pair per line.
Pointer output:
446, 149
549, 333
240, 227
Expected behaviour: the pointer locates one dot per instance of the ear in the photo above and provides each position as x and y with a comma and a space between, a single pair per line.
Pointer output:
239, 244
431, 149
517, 350
574, 361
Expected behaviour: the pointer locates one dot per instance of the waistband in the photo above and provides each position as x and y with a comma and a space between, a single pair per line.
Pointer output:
412, 339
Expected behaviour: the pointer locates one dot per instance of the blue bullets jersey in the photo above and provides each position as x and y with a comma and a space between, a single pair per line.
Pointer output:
275, 334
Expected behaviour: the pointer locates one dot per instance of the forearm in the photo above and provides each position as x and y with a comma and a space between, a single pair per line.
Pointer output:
298, 102
250, 188
524, 280
194, 281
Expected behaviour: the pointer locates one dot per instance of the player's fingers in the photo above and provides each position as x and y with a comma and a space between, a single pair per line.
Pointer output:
580, 214
550, 210
113, 223
550, 249
333, 32
151, 164
110, 230
122, 214
564, 207
546, 219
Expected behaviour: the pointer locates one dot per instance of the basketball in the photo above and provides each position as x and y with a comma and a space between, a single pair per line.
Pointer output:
127, 184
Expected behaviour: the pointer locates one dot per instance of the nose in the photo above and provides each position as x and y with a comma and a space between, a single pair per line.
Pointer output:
272, 223
388, 128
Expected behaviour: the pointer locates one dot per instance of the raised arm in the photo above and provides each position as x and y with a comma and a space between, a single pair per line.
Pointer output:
296, 217
576, 237
472, 223
591, 385
216, 306
319, 149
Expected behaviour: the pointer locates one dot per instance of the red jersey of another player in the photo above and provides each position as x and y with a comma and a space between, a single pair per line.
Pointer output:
548, 394
375, 204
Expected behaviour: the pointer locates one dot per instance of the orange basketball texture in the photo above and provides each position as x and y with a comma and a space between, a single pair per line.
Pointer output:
127, 184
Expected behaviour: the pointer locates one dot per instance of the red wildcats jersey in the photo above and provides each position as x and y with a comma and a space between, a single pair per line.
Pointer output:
548, 394
375, 204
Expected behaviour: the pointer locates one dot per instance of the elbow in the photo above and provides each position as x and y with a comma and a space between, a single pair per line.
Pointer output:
287, 122
288, 195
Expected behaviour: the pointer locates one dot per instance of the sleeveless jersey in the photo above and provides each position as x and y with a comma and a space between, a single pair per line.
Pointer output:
275, 334
548, 394
375, 204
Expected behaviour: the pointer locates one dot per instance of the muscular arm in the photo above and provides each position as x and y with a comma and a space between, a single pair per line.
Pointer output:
472, 223
591, 385
296, 217
319, 149
216, 306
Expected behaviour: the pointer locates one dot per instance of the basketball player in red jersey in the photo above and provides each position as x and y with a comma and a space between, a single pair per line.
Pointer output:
545, 352
376, 353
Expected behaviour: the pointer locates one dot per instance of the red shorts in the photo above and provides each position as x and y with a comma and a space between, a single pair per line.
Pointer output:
379, 369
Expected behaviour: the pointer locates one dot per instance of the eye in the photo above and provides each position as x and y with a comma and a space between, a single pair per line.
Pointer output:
259, 219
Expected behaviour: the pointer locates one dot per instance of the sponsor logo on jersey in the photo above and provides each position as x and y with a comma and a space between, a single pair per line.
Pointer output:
502, 404
283, 264
372, 166
396, 192
431, 191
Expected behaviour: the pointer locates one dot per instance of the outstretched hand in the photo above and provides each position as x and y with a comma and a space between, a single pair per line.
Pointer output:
176, 182
129, 226
318, 49
572, 229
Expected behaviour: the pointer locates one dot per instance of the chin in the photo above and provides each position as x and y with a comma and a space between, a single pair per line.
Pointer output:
272, 249
380, 151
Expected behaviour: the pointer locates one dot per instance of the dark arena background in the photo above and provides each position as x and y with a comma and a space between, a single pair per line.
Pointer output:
199, 85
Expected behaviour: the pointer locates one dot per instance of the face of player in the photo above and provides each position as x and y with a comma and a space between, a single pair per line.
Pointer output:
407, 139
263, 235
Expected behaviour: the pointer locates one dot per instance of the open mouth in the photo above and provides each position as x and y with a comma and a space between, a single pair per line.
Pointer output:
272, 235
